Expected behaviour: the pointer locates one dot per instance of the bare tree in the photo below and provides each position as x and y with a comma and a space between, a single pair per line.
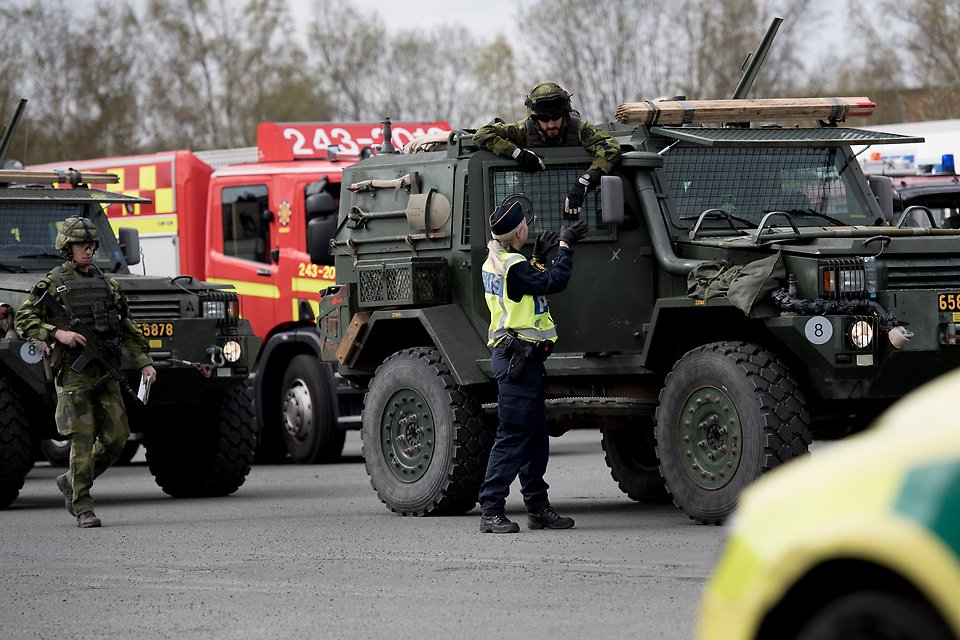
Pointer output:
932, 46
346, 57
215, 71
603, 51
719, 37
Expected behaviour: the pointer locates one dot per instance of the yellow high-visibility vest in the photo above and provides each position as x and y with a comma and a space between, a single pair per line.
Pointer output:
530, 317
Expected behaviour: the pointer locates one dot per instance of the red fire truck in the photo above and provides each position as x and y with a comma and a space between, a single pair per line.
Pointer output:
249, 224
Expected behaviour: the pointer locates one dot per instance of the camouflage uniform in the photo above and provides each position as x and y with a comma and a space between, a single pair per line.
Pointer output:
504, 139
92, 415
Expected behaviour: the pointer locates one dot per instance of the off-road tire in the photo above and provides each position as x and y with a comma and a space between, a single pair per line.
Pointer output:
56, 452
874, 615
209, 454
16, 452
413, 395
308, 402
631, 455
728, 412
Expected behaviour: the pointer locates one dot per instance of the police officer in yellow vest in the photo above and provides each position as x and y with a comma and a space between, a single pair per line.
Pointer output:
522, 334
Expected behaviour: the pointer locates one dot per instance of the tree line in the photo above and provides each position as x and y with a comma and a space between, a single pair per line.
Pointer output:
138, 76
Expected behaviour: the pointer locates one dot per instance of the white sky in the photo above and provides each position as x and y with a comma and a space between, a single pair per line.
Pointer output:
485, 18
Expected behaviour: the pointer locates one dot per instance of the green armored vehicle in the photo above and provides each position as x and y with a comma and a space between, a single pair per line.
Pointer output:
198, 424
740, 290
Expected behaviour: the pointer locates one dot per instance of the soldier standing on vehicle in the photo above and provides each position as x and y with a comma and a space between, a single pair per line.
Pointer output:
90, 409
552, 122
522, 334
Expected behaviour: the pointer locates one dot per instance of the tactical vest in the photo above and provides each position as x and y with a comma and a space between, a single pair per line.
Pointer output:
569, 133
530, 318
92, 301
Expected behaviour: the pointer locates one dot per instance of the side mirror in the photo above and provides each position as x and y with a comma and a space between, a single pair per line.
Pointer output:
611, 200
319, 232
130, 245
321, 204
882, 187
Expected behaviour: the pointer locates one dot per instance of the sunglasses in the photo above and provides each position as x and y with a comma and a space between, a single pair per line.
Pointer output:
547, 117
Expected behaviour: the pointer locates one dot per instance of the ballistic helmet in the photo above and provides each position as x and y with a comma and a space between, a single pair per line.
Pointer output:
73, 230
548, 99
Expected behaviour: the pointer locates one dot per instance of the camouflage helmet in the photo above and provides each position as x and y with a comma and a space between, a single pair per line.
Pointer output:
548, 98
75, 229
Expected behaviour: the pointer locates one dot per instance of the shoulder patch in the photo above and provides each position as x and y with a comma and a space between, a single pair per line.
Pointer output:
538, 266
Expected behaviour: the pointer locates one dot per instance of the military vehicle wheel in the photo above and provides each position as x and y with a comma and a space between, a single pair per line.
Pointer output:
425, 440
56, 452
728, 412
308, 419
209, 455
16, 452
630, 453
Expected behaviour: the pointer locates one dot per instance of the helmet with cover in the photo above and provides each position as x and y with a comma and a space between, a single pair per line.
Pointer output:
73, 230
548, 99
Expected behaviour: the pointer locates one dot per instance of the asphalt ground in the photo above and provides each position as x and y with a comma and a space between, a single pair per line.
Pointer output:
310, 552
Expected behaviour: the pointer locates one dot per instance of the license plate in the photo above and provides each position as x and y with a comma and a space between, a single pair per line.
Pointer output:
156, 329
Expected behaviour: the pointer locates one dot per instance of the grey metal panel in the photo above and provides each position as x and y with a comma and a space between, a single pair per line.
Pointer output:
736, 137
26, 194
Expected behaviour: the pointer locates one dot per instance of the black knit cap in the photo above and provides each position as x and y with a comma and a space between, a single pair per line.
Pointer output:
506, 218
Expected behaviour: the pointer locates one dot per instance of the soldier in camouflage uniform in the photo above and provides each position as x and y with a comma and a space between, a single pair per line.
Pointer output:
552, 122
90, 409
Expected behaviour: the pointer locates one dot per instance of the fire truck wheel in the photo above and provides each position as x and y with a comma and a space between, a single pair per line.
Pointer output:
308, 406
630, 453
728, 412
210, 455
16, 455
425, 439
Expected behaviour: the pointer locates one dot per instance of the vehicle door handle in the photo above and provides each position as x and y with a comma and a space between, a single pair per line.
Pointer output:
263, 272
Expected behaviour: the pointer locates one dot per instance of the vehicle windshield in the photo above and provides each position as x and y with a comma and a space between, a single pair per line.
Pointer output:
28, 232
814, 185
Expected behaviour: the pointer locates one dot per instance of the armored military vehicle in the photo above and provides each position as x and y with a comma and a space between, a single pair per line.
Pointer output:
740, 290
198, 424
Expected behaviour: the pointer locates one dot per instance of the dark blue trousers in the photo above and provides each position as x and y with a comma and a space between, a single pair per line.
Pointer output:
522, 445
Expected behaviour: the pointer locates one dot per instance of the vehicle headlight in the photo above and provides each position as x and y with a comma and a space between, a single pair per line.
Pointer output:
214, 309
232, 351
221, 309
842, 278
861, 334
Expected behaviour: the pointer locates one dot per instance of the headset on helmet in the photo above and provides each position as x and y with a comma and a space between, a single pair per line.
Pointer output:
73, 230
548, 98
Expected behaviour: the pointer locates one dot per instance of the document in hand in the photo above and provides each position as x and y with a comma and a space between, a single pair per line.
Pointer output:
143, 393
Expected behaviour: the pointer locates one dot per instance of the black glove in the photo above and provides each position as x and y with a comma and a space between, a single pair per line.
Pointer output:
545, 243
574, 232
574, 201
528, 160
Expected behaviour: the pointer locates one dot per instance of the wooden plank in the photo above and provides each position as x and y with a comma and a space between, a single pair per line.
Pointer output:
673, 112
67, 176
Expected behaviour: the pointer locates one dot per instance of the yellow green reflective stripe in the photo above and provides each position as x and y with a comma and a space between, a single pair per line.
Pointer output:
255, 289
148, 225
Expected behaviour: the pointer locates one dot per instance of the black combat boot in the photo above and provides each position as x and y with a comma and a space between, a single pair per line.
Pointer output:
64, 485
88, 520
498, 523
547, 518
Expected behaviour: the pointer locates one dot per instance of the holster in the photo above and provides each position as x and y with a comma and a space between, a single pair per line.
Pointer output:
522, 351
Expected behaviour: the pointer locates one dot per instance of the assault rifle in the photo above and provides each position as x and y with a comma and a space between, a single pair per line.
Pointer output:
94, 351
